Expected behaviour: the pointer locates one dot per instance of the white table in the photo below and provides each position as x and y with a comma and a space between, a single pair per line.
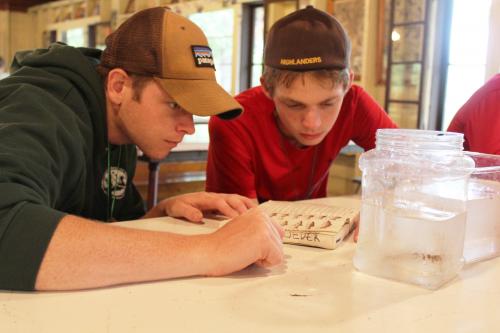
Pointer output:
316, 290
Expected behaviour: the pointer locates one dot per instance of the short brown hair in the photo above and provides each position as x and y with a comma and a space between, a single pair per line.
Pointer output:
272, 77
138, 81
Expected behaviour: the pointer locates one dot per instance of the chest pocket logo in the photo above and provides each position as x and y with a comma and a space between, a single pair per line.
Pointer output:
118, 182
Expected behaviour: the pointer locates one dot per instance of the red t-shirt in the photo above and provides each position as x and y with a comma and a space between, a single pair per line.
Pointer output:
479, 119
250, 156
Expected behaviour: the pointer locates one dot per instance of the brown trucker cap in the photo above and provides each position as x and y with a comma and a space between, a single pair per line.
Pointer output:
160, 43
307, 39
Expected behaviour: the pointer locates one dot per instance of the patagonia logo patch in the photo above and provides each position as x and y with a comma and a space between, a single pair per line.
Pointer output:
202, 56
300, 61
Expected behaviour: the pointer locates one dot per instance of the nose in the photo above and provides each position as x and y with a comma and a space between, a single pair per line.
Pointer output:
311, 119
186, 124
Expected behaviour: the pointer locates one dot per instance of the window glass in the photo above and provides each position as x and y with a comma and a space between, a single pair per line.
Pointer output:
467, 60
257, 45
74, 37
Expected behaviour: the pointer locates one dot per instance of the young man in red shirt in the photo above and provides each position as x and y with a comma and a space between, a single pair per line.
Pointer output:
479, 119
296, 123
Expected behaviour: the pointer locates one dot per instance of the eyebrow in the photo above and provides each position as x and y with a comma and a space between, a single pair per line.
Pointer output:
291, 100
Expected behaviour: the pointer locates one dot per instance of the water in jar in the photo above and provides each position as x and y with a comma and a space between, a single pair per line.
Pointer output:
482, 232
421, 247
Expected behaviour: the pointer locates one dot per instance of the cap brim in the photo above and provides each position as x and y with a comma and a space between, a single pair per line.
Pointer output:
202, 97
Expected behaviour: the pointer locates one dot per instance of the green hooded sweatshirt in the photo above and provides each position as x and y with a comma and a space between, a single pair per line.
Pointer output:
54, 156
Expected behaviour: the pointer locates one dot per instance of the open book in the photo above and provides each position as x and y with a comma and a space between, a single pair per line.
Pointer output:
312, 224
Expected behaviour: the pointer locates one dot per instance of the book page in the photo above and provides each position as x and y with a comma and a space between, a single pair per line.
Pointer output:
317, 225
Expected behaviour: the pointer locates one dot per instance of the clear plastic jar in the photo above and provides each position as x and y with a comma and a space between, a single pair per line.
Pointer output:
413, 212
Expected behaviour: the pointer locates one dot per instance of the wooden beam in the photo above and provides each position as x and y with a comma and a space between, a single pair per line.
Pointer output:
20, 5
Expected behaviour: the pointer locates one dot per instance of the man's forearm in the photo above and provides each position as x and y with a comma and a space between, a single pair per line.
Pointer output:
85, 254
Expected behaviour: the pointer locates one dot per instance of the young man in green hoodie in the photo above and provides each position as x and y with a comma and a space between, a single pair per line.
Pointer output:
70, 120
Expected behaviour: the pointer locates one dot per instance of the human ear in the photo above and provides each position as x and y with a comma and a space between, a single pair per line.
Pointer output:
264, 88
351, 79
116, 85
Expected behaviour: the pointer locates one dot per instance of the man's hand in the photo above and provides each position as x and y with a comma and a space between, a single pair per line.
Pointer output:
356, 228
249, 238
85, 254
191, 206
356, 233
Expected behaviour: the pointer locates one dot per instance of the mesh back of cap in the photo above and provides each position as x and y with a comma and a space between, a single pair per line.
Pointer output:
135, 45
